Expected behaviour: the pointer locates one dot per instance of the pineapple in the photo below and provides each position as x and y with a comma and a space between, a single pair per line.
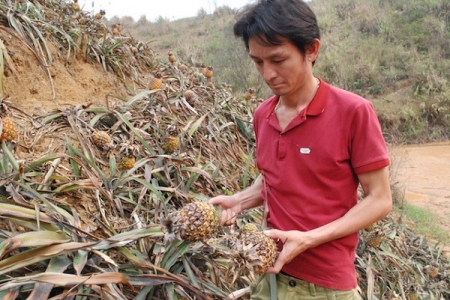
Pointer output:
102, 140
134, 50
258, 249
371, 227
196, 221
127, 163
100, 14
170, 145
203, 69
156, 82
75, 5
172, 57
432, 269
375, 237
8, 130
209, 72
249, 94
115, 30
412, 295
190, 95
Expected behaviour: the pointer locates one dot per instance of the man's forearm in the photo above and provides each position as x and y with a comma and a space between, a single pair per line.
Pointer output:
251, 197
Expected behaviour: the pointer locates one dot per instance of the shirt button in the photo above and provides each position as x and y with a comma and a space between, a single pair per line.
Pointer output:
292, 283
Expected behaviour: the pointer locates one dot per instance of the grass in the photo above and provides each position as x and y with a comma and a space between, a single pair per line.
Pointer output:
425, 222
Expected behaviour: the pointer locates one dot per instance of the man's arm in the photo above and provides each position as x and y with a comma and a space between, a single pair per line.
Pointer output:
235, 204
375, 205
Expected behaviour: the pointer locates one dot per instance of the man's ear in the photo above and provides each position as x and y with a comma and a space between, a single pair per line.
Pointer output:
312, 51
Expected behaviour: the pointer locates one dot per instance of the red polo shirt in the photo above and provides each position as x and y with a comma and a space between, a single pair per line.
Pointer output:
310, 170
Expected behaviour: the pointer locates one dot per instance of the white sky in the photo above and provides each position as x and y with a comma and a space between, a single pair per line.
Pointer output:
171, 9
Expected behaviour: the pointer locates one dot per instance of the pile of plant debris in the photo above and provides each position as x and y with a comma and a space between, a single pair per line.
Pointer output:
77, 222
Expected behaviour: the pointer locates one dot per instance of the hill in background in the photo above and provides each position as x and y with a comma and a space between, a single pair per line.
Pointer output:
395, 53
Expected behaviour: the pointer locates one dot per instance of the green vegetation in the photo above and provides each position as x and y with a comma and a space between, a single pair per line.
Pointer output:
425, 222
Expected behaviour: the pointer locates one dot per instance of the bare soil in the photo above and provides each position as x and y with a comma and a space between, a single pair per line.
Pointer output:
67, 82
422, 172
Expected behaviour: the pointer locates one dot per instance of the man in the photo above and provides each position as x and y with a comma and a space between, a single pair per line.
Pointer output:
315, 144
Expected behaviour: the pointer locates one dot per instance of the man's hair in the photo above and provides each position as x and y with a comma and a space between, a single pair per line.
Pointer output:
269, 21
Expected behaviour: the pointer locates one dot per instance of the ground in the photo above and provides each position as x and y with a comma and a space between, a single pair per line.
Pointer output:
422, 173
75, 81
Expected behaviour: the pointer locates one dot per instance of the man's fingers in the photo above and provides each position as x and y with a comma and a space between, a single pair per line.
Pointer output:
214, 201
228, 217
274, 234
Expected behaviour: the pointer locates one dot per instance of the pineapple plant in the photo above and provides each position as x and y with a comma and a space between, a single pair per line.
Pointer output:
156, 81
196, 221
8, 130
102, 140
170, 145
257, 248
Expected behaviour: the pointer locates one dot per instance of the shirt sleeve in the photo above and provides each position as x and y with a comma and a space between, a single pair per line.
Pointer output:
368, 148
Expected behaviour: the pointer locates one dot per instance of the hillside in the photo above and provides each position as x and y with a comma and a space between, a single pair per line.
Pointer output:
86, 219
395, 53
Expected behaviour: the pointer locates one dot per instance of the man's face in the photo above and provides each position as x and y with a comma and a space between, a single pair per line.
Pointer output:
283, 67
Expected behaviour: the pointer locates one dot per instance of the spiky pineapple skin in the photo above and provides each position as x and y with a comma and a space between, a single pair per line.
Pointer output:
156, 82
170, 145
127, 163
249, 227
209, 72
189, 95
196, 221
432, 271
102, 139
9, 130
374, 238
263, 250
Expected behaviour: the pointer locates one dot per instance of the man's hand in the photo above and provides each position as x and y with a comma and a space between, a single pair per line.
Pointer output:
231, 207
294, 243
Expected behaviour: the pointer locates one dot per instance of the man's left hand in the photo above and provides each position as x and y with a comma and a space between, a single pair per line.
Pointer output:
294, 243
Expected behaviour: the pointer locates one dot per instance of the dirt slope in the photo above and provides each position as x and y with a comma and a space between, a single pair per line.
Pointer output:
75, 82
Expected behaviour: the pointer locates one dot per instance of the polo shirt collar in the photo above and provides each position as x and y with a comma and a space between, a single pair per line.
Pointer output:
314, 108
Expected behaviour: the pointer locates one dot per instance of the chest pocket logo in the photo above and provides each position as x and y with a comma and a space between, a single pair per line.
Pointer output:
305, 151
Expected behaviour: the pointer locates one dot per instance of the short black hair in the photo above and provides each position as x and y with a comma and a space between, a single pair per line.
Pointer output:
270, 21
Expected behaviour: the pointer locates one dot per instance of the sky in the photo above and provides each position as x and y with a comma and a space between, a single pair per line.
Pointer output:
153, 9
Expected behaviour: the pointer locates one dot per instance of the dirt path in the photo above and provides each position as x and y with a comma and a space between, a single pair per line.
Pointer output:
423, 172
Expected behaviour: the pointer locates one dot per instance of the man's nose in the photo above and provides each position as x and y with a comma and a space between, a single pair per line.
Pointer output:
268, 73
